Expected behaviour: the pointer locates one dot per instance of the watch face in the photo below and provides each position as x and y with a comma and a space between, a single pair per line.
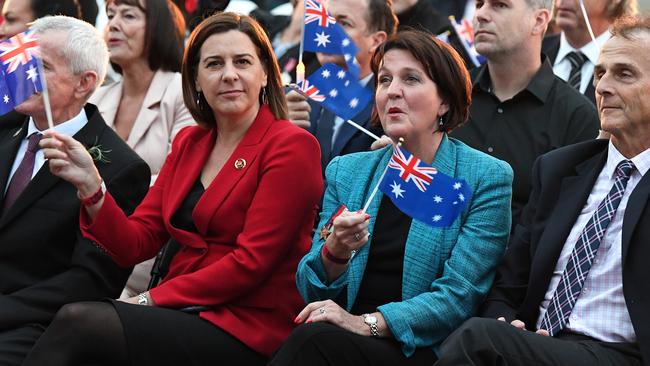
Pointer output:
370, 319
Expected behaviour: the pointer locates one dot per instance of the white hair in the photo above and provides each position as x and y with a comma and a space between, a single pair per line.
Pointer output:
541, 4
84, 49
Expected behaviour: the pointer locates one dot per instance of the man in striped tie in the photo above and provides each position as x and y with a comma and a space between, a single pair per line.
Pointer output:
572, 52
574, 285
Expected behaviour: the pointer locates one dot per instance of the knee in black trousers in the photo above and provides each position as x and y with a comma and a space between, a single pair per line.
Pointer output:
475, 342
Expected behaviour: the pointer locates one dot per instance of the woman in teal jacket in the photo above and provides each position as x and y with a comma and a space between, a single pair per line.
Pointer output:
392, 297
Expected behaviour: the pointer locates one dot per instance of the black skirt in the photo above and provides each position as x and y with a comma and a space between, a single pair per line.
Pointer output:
160, 336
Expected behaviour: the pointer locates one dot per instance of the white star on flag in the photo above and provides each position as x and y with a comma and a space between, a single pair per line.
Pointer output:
31, 74
437, 199
457, 185
461, 197
6, 99
354, 102
397, 190
346, 42
347, 83
437, 218
347, 57
340, 74
333, 93
325, 74
322, 39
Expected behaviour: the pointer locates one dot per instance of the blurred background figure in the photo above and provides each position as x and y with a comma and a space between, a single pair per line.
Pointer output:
284, 32
421, 15
17, 13
460, 9
145, 107
572, 53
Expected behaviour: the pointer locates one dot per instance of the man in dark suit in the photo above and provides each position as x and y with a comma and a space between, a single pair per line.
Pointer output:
44, 261
573, 286
368, 23
572, 52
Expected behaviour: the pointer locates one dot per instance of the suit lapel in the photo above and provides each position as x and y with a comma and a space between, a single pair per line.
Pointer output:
229, 175
323, 133
108, 102
573, 194
8, 148
148, 112
636, 204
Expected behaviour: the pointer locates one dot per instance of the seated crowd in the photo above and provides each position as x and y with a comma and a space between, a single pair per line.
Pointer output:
197, 210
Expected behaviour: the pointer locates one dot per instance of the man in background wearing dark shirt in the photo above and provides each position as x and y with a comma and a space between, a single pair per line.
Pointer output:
520, 109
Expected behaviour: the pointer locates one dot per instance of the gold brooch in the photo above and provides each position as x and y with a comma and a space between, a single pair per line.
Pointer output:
240, 164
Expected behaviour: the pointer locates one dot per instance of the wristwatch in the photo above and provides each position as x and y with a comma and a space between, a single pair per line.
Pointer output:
142, 299
371, 320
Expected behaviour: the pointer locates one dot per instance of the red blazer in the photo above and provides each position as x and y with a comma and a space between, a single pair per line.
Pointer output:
254, 225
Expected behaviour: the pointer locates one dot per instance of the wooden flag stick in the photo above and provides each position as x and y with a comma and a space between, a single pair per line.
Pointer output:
374, 191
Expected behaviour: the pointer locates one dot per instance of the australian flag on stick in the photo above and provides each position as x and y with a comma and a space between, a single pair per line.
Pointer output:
323, 34
465, 33
337, 90
19, 69
422, 192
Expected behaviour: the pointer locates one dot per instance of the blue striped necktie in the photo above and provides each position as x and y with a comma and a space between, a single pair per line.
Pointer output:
583, 254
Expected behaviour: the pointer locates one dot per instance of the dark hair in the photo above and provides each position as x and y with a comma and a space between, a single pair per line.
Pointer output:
41, 8
627, 25
380, 16
441, 63
221, 23
164, 33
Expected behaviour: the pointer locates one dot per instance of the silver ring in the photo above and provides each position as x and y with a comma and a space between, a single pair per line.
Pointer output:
357, 236
321, 310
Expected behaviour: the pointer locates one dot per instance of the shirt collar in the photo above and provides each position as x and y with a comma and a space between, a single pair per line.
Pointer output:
366, 80
539, 86
591, 49
614, 157
69, 127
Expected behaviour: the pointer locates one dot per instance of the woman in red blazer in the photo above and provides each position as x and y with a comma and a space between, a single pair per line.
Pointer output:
241, 236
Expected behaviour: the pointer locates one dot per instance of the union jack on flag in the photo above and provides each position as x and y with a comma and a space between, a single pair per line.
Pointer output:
18, 50
422, 192
312, 91
315, 12
412, 169
323, 34
19, 70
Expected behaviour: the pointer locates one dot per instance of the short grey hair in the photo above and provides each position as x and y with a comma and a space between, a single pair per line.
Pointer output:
541, 4
84, 49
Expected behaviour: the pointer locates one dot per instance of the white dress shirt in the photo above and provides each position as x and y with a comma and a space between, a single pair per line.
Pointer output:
562, 66
600, 311
70, 128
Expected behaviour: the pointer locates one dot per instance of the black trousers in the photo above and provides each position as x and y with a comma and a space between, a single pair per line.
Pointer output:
481, 341
327, 344
16, 343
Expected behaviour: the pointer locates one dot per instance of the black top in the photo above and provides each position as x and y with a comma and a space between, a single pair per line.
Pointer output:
382, 278
423, 16
182, 219
547, 114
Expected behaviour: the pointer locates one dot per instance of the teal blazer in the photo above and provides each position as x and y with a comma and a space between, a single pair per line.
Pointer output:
447, 271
